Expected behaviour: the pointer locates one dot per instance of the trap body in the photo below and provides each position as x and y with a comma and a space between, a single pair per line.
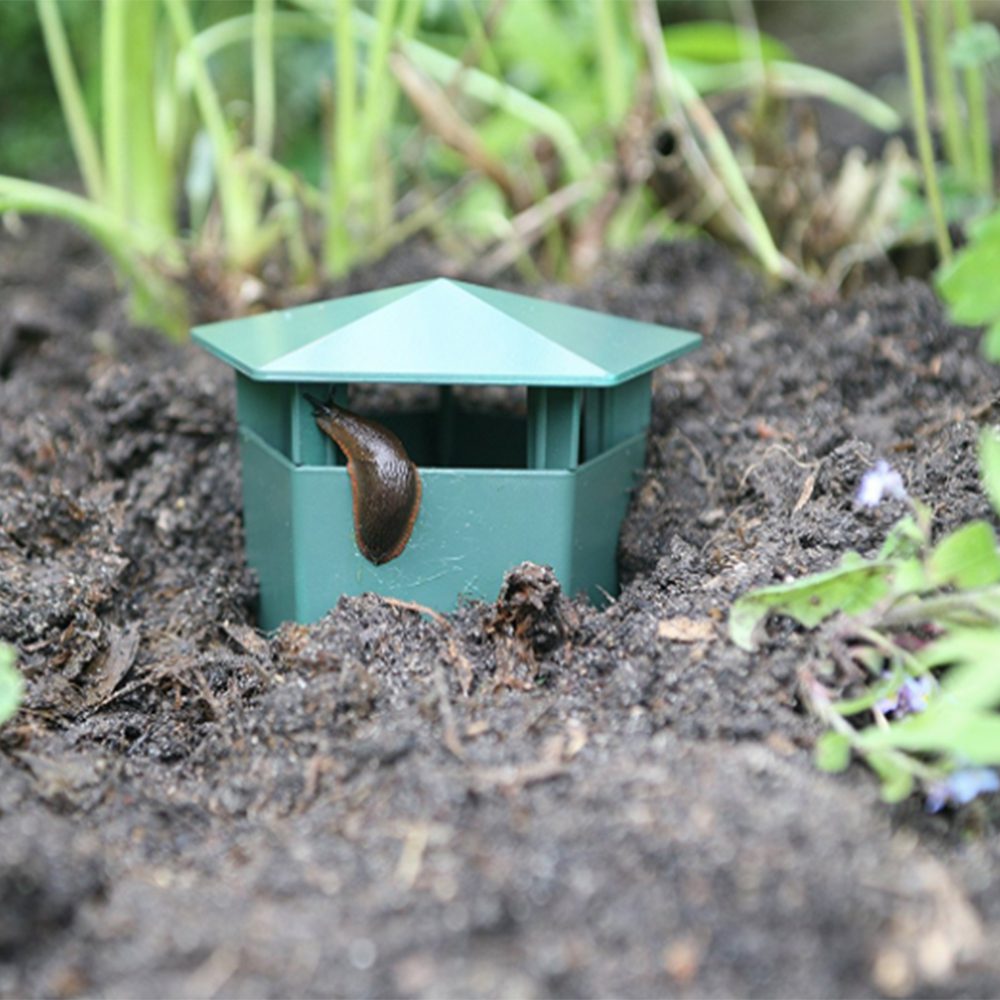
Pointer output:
526, 418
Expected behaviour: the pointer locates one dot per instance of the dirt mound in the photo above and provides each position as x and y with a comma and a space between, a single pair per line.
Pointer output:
532, 798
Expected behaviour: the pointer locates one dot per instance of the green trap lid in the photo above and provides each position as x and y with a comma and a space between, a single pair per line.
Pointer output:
443, 332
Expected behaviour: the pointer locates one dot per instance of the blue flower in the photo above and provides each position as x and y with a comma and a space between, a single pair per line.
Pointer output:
961, 786
910, 698
879, 482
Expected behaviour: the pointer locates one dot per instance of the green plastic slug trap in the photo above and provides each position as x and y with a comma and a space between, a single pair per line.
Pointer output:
421, 440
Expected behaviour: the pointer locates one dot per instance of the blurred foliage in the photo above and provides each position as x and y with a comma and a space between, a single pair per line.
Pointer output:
292, 139
968, 283
33, 141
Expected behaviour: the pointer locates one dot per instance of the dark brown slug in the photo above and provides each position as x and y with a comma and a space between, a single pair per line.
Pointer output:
384, 482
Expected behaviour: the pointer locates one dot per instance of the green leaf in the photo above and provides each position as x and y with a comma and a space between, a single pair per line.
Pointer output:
986, 229
531, 40
11, 683
966, 558
720, 42
974, 680
989, 461
897, 782
883, 688
960, 645
833, 751
853, 587
909, 577
970, 736
968, 283
974, 46
904, 540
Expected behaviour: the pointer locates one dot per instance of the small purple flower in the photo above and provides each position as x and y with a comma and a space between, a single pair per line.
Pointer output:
909, 699
960, 787
879, 482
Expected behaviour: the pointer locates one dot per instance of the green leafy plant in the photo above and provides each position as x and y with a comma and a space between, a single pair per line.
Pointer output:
751, 193
921, 123
968, 282
130, 164
958, 186
905, 674
11, 683
536, 122
963, 54
166, 136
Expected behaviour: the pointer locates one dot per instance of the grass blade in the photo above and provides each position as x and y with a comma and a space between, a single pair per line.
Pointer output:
979, 120
81, 133
114, 94
238, 214
945, 90
263, 77
342, 152
921, 126
614, 83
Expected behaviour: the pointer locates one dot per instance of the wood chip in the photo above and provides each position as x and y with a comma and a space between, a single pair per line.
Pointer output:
805, 495
117, 662
683, 629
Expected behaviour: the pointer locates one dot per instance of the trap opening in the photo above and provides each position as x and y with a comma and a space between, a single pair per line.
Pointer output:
454, 427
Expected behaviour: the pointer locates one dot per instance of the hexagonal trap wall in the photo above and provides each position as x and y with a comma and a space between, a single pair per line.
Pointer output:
526, 419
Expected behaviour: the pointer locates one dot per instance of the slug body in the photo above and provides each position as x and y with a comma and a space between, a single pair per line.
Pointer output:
385, 485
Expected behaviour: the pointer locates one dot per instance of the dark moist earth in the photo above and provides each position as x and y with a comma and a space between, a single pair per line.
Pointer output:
533, 798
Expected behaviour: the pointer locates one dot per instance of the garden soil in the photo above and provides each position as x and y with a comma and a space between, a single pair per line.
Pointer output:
529, 798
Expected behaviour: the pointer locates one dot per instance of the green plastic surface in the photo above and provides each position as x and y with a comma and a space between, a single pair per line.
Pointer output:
443, 332
548, 482
474, 525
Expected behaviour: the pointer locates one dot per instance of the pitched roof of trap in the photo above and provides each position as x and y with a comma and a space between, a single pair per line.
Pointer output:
443, 332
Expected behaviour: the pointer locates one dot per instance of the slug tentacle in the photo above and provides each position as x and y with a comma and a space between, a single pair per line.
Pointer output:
385, 485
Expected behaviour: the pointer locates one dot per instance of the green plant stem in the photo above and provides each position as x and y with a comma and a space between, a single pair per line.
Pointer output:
408, 21
377, 76
384, 207
478, 47
945, 90
263, 77
792, 79
114, 94
479, 86
81, 133
148, 181
979, 120
301, 260
820, 703
342, 151
376, 119
676, 91
287, 180
918, 100
440, 66
751, 49
979, 607
238, 215
889, 648
614, 85
237, 30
